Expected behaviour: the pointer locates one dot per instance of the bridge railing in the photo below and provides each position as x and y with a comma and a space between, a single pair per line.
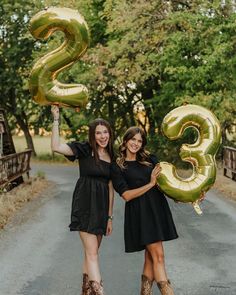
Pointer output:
13, 166
229, 161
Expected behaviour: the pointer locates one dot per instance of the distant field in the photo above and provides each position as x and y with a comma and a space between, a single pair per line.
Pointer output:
41, 144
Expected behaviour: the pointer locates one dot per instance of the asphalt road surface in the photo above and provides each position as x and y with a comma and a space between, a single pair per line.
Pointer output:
40, 256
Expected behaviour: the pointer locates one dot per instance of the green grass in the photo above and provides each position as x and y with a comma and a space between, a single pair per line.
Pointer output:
42, 146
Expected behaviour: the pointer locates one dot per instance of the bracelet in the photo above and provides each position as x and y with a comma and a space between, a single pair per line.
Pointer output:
110, 217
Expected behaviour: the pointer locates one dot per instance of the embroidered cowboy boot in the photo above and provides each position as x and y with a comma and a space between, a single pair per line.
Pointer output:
96, 288
146, 286
86, 290
165, 287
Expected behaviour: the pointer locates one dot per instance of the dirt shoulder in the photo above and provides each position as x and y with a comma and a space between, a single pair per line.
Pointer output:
17, 198
225, 185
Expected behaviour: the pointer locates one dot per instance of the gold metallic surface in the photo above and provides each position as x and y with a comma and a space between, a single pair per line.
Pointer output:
43, 83
200, 154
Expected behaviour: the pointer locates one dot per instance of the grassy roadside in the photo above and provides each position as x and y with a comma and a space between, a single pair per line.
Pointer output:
15, 199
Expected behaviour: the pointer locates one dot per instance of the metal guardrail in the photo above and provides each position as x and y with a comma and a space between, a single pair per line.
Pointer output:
229, 161
13, 166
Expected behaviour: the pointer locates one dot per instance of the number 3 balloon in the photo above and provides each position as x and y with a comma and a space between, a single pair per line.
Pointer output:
44, 86
201, 154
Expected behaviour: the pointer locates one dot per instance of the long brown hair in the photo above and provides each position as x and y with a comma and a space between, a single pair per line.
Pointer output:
92, 141
142, 154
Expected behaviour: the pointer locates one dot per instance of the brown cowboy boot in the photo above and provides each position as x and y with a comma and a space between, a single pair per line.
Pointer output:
165, 288
86, 290
146, 286
96, 288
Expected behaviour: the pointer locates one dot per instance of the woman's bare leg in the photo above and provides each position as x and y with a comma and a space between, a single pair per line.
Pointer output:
148, 266
91, 244
156, 252
99, 238
85, 268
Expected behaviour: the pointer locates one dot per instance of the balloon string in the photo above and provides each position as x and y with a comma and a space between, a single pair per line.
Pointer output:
197, 208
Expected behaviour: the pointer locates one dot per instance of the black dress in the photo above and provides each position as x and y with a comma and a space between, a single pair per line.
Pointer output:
148, 218
90, 202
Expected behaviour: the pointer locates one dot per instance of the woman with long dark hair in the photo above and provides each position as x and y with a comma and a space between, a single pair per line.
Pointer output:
148, 219
92, 203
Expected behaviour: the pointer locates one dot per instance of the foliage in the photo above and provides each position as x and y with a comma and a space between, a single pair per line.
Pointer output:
145, 58
16, 48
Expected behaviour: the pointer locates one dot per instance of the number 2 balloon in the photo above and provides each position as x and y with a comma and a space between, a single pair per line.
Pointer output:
43, 83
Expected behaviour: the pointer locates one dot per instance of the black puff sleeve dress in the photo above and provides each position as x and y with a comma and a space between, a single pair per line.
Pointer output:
90, 203
148, 218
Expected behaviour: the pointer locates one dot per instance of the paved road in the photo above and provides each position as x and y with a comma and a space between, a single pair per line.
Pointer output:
39, 256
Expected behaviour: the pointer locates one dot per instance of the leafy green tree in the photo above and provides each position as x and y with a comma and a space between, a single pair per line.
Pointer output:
16, 48
145, 58
162, 54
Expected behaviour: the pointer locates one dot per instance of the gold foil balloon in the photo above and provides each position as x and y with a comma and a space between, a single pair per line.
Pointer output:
201, 154
44, 86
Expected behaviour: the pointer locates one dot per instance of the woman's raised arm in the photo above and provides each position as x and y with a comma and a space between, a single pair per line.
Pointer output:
56, 146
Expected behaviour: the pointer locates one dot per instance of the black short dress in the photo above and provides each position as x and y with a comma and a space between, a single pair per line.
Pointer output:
90, 203
148, 218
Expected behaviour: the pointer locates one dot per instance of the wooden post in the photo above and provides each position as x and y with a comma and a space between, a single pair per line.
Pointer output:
1, 138
8, 147
229, 161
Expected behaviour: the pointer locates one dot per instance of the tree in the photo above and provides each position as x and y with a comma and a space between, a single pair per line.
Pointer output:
16, 49
145, 58
162, 54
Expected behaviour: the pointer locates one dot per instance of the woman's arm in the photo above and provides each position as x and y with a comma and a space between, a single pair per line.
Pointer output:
110, 211
137, 192
111, 198
56, 146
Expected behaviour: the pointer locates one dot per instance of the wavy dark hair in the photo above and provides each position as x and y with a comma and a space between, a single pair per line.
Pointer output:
142, 155
92, 141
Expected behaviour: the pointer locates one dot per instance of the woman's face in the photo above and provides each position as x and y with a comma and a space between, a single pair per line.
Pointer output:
102, 136
134, 144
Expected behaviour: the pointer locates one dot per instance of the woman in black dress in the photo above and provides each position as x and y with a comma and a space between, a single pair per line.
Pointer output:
92, 203
148, 220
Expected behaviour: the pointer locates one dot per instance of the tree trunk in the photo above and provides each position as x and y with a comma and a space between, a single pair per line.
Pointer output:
68, 121
111, 112
148, 94
36, 130
24, 126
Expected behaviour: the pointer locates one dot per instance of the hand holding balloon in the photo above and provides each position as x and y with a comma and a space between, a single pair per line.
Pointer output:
55, 112
155, 174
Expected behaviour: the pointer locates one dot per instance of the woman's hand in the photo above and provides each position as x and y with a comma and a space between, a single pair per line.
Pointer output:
155, 173
55, 112
109, 227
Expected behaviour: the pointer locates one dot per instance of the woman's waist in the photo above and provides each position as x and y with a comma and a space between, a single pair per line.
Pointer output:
101, 179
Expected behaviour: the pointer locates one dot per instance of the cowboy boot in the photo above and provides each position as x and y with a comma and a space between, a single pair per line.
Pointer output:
165, 287
86, 290
96, 288
146, 286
